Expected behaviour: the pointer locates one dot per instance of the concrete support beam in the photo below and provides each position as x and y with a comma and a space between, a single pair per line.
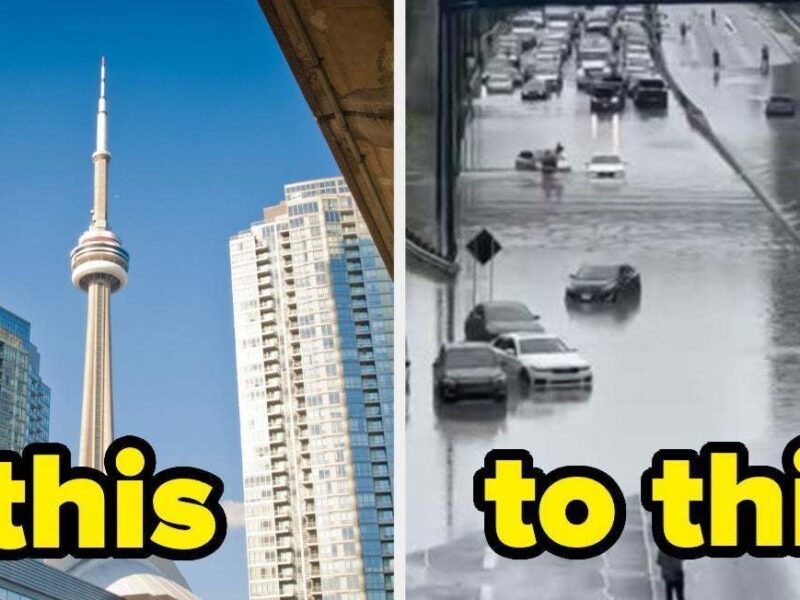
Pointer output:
341, 53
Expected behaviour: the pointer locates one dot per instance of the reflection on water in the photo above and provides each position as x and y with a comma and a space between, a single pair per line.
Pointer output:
784, 354
553, 186
472, 418
605, 313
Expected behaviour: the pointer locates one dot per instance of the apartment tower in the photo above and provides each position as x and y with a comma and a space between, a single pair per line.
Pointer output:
313, 322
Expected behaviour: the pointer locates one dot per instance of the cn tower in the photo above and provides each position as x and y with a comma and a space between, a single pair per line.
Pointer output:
99, 268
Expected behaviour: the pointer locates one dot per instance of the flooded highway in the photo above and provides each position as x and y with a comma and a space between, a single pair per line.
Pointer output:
711, 351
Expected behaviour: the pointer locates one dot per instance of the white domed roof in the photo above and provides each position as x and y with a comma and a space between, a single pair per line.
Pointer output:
153, 578
150, 585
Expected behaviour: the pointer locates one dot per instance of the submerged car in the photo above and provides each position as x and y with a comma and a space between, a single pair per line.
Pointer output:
781, 106
603, 283
547, 161
469, 370
525, 161
489, 319
650, 93
606, 166
542, 360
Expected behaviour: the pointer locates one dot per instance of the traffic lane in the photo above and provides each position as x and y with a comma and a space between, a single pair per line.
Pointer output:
739, 34
690, 365
663, 152
734, 105
467, 568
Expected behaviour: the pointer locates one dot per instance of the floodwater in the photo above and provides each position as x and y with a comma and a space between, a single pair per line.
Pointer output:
710, 353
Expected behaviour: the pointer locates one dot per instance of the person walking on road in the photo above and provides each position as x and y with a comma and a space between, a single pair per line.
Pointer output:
683, 31
764, 59
713, 16
715, 59
672, 574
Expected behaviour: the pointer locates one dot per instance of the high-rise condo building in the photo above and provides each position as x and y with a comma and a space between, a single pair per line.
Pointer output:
24, 398
313, 316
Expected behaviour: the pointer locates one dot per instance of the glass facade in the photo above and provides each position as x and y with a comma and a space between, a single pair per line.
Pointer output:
313, 321
24, 398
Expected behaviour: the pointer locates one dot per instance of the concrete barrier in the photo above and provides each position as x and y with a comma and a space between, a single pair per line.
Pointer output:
425, 258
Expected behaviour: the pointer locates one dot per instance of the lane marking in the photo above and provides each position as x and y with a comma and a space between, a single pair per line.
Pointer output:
649, 552
489, 560
486, 592
605, 574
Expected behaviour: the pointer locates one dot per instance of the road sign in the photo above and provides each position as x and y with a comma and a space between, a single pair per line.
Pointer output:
484, 246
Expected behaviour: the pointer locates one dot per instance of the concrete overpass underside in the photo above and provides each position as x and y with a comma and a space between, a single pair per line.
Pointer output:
341, 53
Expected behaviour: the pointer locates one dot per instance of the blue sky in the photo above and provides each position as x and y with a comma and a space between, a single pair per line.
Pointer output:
206, 125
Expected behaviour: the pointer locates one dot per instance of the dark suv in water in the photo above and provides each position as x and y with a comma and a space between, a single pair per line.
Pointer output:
650, 93
603, 283
469, 370
489, 319
607, 97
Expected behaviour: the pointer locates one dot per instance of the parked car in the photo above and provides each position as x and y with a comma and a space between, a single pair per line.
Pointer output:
535, 89
603, 283
542, 360
606, 166
781, 106
606, 98
469, 370
487, 320
499, 83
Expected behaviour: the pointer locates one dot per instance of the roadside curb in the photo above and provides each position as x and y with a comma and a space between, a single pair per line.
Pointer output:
698, 120
418, 253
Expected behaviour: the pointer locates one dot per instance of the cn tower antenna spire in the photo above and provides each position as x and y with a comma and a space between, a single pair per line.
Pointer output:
99, 268
101, 157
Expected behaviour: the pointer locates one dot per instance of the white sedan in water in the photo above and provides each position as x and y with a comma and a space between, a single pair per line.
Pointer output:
542, 360
606, 166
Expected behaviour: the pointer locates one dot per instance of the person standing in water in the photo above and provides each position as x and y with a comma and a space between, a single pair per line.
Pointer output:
672, 574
